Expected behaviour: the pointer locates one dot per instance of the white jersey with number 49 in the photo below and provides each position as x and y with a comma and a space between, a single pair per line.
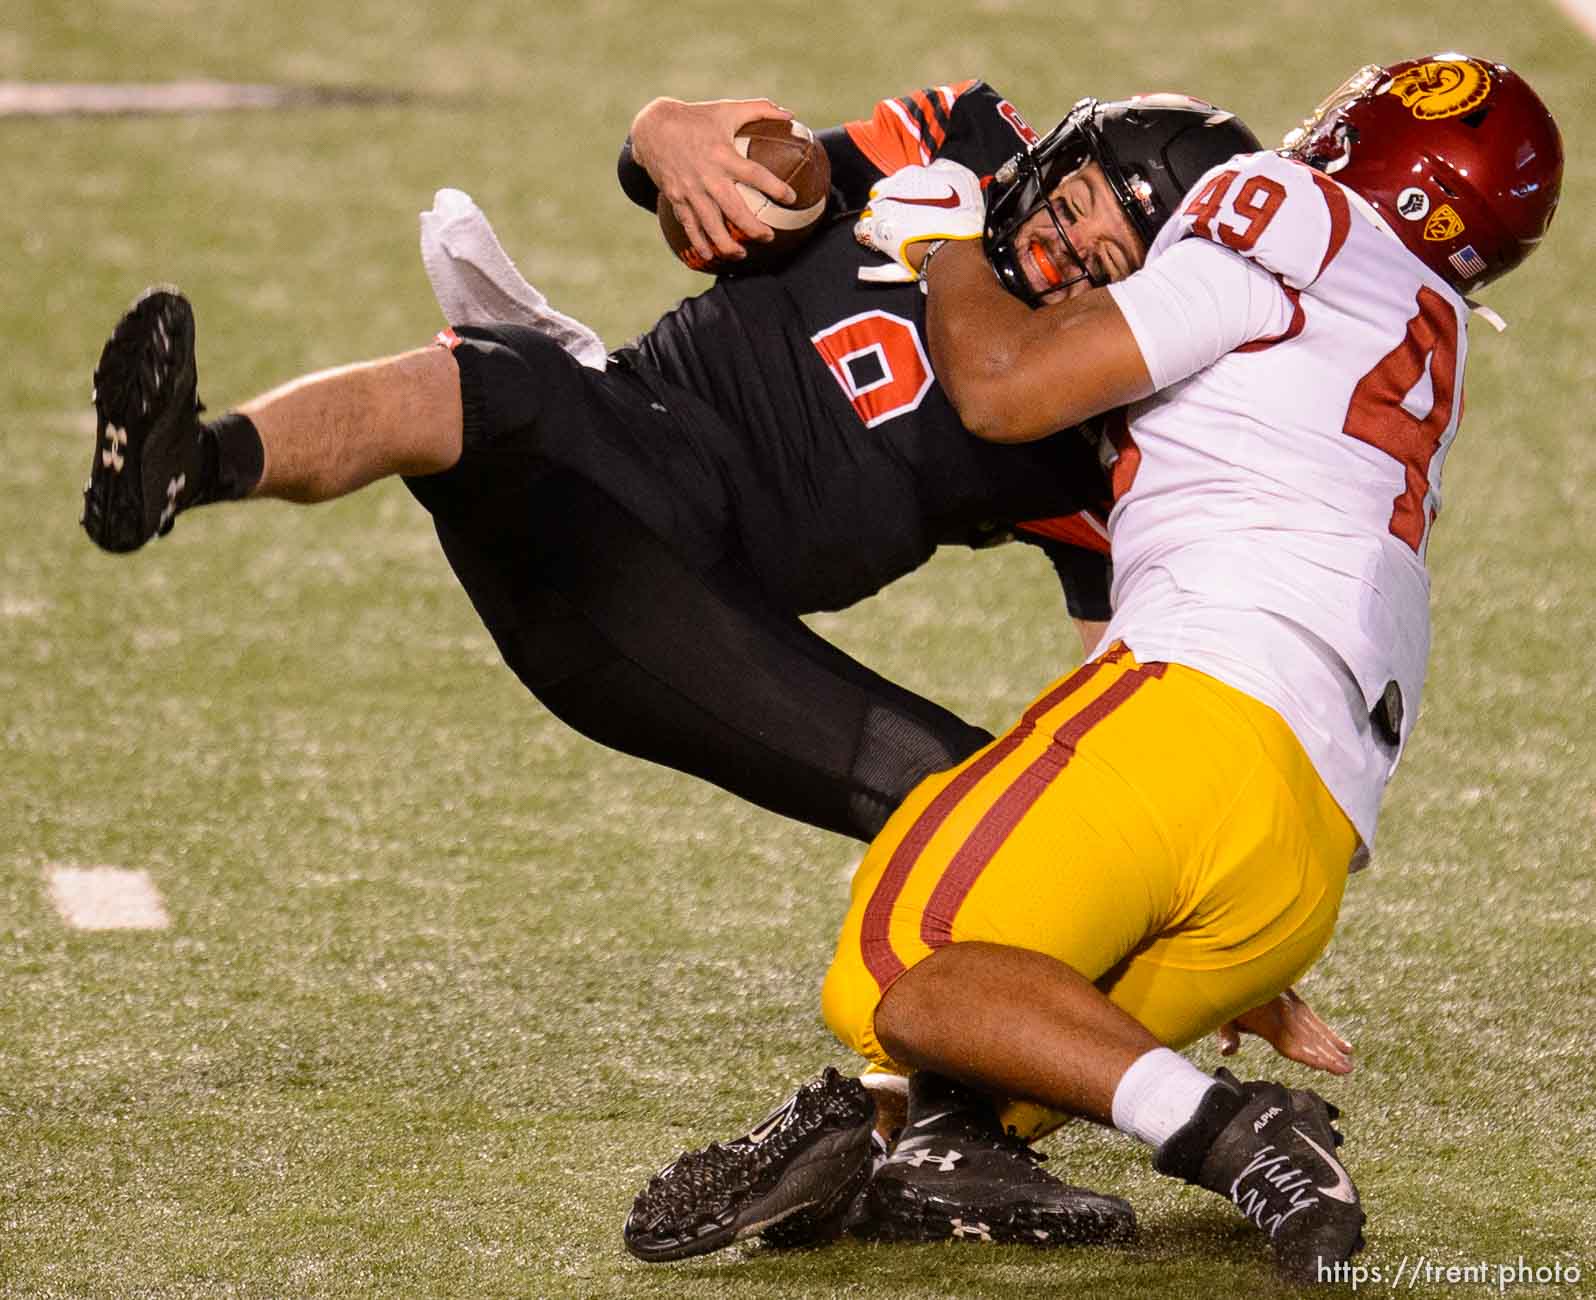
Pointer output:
1274, 499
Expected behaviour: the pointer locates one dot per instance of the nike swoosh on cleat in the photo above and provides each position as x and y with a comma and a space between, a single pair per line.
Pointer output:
951, 201
771, 1124
1342, 1189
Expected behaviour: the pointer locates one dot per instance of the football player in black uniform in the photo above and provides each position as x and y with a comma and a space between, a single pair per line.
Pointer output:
641, 540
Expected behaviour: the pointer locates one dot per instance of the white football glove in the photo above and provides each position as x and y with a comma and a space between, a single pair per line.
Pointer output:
915, 204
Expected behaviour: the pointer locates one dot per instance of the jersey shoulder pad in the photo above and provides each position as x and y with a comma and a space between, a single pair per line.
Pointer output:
918, 127
1280, 214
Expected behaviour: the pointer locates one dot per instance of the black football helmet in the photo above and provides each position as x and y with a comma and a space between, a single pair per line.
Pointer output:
1152, 149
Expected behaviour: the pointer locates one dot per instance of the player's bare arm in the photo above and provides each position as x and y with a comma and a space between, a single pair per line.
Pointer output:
1015, 374
687, 150
1023, 359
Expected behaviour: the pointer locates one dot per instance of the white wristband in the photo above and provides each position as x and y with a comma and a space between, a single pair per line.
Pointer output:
925, 262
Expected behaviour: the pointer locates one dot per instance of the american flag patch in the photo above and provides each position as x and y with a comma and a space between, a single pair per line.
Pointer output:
1467, 263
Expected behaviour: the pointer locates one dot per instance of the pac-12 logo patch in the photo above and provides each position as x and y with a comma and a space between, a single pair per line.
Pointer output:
1442, 88
1444, 224
1413, 203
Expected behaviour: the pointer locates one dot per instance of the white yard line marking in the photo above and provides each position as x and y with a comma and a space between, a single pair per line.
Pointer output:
1582, 13
107, 898
63, 98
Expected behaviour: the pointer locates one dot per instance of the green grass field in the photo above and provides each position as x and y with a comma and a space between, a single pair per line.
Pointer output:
444, 982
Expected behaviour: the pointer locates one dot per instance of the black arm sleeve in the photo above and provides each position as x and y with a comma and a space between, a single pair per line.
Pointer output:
852, 174
1085, 576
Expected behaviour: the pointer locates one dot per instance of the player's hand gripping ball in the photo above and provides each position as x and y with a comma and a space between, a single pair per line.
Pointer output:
790, 150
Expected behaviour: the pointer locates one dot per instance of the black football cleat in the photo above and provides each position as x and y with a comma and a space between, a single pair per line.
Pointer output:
792, 1177
1271, 1150
956, 1175
147, 454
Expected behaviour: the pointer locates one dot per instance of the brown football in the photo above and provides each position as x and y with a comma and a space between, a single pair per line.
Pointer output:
790, 150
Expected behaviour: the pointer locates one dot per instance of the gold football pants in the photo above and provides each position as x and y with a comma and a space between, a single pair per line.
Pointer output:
1160, 832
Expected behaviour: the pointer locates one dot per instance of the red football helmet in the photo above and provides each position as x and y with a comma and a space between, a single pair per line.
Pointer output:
1459, 155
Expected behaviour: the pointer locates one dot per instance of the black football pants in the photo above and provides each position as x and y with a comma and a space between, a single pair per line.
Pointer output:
639, 624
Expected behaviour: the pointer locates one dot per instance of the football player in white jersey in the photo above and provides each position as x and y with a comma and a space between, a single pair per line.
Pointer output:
1162, 841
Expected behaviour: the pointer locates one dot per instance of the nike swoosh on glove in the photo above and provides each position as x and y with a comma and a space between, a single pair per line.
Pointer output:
915, 204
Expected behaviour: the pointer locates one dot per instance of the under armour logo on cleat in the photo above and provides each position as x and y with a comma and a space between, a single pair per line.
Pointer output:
917, 1152
111, 456
173, 487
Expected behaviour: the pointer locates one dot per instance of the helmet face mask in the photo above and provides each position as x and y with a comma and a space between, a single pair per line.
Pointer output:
1331, 106
1457, 154
1150, 149
1027, 183
1079, 268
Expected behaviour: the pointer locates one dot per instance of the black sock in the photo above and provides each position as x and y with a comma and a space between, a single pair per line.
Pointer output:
232, 457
